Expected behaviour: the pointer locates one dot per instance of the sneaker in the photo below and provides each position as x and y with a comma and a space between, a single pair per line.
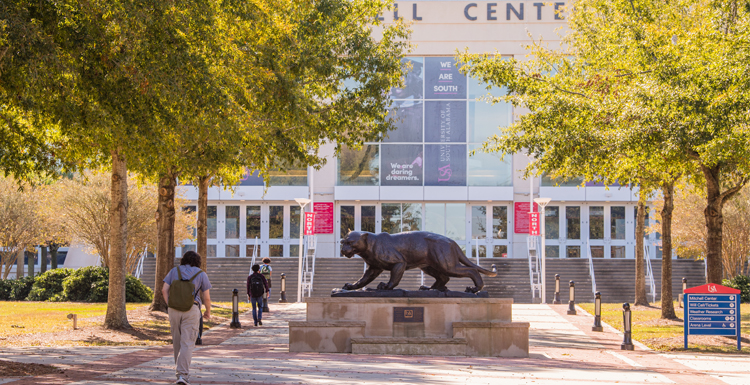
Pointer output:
181, 380
260, 323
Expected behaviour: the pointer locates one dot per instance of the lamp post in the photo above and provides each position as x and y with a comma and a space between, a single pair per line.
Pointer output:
283, 289
597, 313
572, 302
542, 202
302, 203
627, 341
556, 301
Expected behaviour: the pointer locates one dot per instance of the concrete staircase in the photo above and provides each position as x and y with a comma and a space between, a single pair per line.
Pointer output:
614, 277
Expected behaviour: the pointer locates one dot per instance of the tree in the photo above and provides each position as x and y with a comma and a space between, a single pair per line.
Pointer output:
18, 221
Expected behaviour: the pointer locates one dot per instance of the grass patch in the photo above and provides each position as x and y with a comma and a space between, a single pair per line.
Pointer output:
668, 335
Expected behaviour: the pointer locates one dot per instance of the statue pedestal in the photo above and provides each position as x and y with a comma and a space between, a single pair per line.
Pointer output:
477, 327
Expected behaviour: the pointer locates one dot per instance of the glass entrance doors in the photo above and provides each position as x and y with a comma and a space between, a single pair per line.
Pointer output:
357, 217
489, 231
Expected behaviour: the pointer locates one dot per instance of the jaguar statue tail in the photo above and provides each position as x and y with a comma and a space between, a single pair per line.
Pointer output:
464, 260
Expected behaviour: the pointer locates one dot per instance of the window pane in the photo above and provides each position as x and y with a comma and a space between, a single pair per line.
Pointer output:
347, 220
413, 82
294, 250
407, 120
412, 219
552, 251
500, 222
596, 222
359, 168
232, 225
482, 250
550, 182
232, 251
443, 80
618, 251
573, 251
478, 89
391, 221
500, 251
275, 250
186, 248
445, 165
635, 219
485, 119
597, 251
275, 222
292, 176
617, 222
445, 122
478, 222
251, 178
573, 222
435, 218
251, 249
455, 224
552, 222
402, 165
252, 222
191, 212
294, 221
211, 251
367, 220
211, 222
489, 169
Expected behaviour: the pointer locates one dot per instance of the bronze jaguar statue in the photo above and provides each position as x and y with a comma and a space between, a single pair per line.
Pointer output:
438, 256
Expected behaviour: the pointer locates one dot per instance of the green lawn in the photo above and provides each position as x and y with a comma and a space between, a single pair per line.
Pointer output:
44, 317
663, 334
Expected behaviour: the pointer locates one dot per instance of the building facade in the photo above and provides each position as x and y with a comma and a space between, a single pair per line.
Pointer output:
423, 176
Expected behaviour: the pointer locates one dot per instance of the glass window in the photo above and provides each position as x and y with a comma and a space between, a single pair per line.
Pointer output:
275, 223
635, 219
359, 167
252, 222
500, 251
232, 251
292, 176
500, 222
391, 218
548, 181
406, 117
346, 220
275, 250
552, 222
573, 222
186, 248
489, 169
445, 121
482, 251
479, 89
412, 217
294, 221
435, 218
402, 165
596, 222
412, 88
294, 250
443, 80
232, 224
617, 222
597, 251
211, 251
211, 222
190, 211
573, 251
455, 224
618, 251
251, 178
445, 165
367, 219
478, 222
251, 250
552, 251
485, 119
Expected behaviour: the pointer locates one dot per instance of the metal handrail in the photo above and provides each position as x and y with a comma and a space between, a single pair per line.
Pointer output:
649, 271
139, 266
255, 252
592, 272
535, 286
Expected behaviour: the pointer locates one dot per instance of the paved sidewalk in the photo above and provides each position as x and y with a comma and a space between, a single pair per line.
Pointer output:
563, 351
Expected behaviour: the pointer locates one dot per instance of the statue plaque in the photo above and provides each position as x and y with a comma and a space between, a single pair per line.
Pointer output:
408, 314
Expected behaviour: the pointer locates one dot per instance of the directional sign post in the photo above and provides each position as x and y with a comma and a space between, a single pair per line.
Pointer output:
712, 310
534, 223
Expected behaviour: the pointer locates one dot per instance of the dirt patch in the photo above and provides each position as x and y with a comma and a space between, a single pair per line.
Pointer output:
17, 369
661, 322
700, 343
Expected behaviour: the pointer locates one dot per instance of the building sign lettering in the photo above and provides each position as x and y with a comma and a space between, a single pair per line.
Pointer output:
473, 11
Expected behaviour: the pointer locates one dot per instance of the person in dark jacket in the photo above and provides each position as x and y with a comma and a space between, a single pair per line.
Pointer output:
257, 286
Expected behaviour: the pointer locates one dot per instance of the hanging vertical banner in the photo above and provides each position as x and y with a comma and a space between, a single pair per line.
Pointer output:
309, 223
323, 217
534, 223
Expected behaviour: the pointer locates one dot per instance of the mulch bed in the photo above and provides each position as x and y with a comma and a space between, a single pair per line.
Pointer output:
17, 369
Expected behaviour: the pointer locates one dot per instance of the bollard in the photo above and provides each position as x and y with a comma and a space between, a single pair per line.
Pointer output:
627, 341
74, 317
597, 313
572, 303
235, 324
494, 268
556, 301
684, 287
283, 289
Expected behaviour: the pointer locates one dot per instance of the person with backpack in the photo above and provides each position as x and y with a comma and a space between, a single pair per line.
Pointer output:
185, 288
256, 287
265, 269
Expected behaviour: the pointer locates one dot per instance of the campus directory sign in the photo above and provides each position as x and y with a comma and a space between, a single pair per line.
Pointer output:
712, 310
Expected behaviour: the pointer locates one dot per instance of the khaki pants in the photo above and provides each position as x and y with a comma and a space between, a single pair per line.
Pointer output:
184, 326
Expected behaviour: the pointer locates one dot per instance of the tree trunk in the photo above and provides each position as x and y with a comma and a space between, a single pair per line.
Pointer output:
44, 259
19, 261
53, 253
203, 184
165, 215
714, 223
31, 262
640, 263
117, 316
667, 306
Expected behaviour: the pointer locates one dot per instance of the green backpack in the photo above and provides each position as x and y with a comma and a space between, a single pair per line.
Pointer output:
181, 292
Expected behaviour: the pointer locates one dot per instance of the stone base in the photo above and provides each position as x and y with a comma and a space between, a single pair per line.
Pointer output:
494, 339
324, 336
410, 346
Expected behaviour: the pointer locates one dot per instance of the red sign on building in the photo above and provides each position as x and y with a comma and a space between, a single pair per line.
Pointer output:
521, 217
534, 223
323, 217
309, 223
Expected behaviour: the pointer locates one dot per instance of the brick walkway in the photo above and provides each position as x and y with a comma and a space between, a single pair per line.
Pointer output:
563, 351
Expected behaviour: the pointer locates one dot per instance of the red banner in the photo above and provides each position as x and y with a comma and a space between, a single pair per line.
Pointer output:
521, 217
534, 223
309, 223
323, 217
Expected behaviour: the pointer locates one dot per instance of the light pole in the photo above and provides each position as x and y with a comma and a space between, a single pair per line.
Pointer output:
542, 202
302, 203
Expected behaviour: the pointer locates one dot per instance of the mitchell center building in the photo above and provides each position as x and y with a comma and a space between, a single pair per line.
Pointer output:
422, 176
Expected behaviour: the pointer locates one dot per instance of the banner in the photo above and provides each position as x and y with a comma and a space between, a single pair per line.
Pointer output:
534, 223
309, 223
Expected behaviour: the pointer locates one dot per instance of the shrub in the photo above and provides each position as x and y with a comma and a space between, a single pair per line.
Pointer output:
15, 289
5, 289
742, 283
91, 284
49, 285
